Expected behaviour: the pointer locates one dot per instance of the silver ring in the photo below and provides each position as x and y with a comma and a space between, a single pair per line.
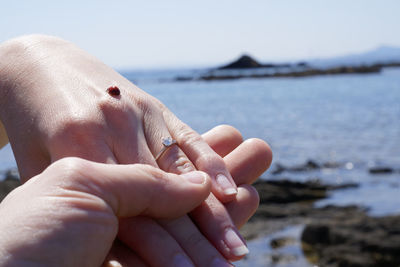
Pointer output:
167, 143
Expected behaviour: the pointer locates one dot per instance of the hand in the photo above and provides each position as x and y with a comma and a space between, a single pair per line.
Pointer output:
55, 106
246, 161
68, 215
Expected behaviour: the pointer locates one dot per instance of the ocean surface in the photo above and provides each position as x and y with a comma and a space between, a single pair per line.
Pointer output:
353, 120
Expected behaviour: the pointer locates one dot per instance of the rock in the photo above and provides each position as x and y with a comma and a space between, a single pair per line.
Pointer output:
295, 73
183, 79
280, 258
279, 168
331, 165
244, 62
280, 242
7, 185
285, 191
308, 166
354, 240
381, 170
11, 174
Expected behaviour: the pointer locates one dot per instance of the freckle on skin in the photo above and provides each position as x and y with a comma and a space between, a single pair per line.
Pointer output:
113, 91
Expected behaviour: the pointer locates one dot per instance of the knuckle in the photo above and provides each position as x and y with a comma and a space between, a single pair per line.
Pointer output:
159, 104
188, 137
71, 167
160, 178
115, 112
180, 164
143, 103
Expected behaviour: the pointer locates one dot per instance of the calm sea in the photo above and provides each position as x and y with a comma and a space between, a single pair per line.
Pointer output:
349, 119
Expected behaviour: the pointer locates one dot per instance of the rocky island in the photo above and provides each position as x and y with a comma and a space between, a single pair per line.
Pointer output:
247, 67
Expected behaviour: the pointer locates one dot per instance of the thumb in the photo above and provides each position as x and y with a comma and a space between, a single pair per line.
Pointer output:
138, 189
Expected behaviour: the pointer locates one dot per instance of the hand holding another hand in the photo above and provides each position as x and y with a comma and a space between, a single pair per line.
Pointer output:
55, 105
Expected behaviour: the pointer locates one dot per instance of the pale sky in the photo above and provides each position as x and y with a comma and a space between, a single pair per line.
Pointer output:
178, 33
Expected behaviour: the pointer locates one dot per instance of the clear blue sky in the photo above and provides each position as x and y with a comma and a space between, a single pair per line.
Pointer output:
174, 33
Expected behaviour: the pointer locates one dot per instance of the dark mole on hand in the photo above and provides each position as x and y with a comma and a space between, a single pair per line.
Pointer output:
113, 91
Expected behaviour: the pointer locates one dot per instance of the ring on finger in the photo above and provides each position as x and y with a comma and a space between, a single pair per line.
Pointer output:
167, 143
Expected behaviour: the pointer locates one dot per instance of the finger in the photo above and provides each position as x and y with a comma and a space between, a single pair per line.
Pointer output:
203, 157
244, 206
249, 160
182, 229
154, 192
149, 238
214, 221
135, 233
127, 138
223, 139
169, 156
197, 247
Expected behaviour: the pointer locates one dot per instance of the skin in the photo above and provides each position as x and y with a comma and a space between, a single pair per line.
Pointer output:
55, 106
85, 195
74, 207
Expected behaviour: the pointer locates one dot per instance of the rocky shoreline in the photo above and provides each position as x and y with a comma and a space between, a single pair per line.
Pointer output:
333, 235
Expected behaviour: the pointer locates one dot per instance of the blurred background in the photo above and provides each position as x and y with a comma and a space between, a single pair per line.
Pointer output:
320, 82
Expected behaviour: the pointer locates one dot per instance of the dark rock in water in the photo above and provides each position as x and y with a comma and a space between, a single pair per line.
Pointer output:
331, 165
279, 168
183, 79
244, 62
356, 240
279, 258
308, 166
7, 185
281, 242
12, 174
379, 170
286, 191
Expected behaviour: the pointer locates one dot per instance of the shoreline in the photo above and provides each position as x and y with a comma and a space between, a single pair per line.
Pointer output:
330, 235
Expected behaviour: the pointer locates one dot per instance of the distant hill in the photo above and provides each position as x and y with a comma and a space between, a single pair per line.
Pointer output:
244, 62
382, 55
247, 62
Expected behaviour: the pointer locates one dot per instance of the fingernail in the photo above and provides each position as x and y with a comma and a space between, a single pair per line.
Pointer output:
113, 263
195, 177
181, 260
226, 185
235, 243
217, 262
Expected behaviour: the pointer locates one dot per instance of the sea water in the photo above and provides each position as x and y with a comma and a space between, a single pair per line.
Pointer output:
352, 120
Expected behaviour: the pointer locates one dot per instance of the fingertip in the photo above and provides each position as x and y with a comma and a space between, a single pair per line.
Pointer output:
223, 139
263, 148
244, 206
225, 189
